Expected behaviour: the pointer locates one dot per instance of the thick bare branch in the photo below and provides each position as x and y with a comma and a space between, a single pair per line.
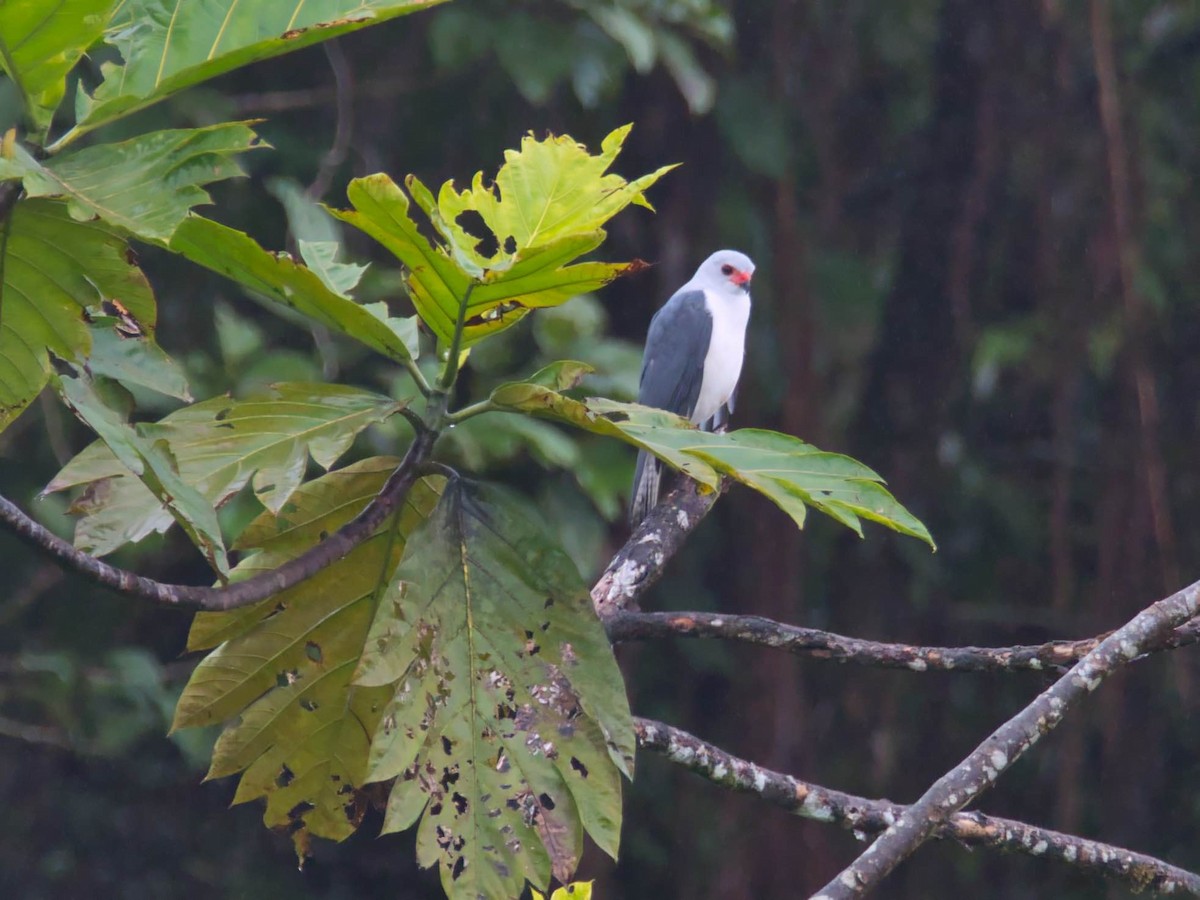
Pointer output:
242, 593
863, 815
629, 626
985, 763
656, 539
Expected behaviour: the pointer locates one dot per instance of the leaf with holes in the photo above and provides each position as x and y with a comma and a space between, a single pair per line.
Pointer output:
544, 212
145, 185
168, 45
40, 43
791, 473
298, 730
221, 444
54, 271
508, 728
280, 278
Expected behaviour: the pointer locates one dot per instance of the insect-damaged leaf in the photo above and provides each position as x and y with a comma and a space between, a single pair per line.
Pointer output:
793, 474
509, 726
545, 211
54, 270
283, 666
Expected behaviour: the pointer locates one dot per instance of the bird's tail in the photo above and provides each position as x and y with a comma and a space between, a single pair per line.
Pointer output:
646, 478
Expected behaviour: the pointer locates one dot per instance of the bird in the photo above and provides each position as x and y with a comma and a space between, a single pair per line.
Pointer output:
693, 358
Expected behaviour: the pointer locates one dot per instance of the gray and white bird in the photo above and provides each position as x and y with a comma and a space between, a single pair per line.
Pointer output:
693, 358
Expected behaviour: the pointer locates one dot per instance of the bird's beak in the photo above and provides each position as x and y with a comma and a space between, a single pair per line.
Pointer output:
740, 278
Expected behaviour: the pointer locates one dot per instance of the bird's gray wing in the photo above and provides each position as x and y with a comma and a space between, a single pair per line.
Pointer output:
676, 345
672, 372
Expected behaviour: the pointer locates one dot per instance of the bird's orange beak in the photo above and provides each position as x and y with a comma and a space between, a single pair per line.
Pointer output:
739, 277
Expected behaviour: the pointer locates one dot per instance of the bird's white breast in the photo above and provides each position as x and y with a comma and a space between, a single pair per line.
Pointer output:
726, 350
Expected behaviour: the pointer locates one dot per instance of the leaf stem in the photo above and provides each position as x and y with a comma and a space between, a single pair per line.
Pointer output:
450, 372
418, 377
475, 409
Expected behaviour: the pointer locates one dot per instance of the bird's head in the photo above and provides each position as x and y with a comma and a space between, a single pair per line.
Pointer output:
725, 270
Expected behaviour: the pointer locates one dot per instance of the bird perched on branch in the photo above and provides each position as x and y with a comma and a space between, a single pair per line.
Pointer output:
693, 358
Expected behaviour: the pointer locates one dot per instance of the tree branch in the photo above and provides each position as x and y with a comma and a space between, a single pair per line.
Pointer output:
860, 814
632, 626
985, 763
242, 593
656, 539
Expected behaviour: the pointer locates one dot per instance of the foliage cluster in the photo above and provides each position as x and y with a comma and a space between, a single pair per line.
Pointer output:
453, 656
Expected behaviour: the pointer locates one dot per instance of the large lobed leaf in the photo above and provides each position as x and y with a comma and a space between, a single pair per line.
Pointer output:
299, 730
318, 293
40, 42
219, 446
545, 211
791, 473
508, 727
145, 185
168, 45
55, 270
473, 678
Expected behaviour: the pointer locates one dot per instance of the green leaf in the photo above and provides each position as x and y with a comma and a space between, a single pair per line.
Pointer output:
54, 269
220, 445
299, 730
132, 358
538, 400
791, 473
280, 278
509, 726
577, 890
545, 210
40, 43
149, 457
169, 45
321, 257
547, 190
145, 185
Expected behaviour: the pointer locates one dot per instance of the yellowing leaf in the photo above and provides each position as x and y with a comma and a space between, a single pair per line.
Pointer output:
299, 731
544, 212
547, 190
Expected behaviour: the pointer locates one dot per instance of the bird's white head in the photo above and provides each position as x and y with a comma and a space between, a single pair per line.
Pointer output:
727, 271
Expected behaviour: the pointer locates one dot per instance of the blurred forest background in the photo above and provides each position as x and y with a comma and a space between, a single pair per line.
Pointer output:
973, 224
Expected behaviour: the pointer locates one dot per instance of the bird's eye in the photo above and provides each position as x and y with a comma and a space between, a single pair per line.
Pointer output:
727, 269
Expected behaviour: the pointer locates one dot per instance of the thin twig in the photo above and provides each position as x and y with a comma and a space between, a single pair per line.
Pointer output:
966, 781
450, 372
241, 593
825, 645
865, 816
